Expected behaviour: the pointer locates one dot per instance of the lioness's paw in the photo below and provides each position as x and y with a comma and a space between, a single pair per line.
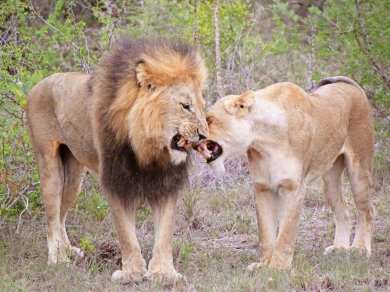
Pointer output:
77, 251
360, 250
125, 277
167, 277
254, 266
335, 248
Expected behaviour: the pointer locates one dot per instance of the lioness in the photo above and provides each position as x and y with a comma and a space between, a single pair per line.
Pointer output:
131, 122
292, 137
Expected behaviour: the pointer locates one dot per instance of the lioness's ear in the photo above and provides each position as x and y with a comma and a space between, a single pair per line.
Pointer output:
143, 77
240, 105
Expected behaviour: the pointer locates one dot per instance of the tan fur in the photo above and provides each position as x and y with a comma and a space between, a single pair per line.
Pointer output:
292, 137
119, 123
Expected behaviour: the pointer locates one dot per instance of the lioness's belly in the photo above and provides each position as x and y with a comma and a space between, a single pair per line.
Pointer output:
324, 160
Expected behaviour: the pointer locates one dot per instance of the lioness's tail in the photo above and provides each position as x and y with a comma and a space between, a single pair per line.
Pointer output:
335, 79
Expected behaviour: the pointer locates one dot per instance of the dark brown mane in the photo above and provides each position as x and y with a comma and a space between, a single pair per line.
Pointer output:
121, 174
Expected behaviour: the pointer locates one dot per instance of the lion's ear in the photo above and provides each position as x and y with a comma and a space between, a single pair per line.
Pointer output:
143, 76
240, 105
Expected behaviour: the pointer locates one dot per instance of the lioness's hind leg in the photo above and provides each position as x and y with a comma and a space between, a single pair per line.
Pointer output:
332, 180
359, 173
52, 179
74, 172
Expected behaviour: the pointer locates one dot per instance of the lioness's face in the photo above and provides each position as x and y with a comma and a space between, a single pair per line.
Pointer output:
229, 130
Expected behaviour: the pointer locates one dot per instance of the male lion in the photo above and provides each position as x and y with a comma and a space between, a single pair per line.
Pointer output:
291, 137
131, 122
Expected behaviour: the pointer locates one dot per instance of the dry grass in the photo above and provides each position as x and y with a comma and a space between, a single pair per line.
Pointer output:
215, 239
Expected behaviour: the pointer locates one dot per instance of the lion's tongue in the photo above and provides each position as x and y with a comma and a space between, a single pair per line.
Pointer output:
202, 148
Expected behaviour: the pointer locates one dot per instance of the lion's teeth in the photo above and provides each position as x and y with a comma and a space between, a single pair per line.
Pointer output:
181, 142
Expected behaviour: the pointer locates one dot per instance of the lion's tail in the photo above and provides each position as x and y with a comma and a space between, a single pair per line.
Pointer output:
335, 79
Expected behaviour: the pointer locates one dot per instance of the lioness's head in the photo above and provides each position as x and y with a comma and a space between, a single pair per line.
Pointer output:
229, 129
159, 106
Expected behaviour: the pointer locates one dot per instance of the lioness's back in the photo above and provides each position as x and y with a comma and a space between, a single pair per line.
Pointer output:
342, 92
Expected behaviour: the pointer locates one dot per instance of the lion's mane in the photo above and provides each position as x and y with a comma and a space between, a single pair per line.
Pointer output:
124, 170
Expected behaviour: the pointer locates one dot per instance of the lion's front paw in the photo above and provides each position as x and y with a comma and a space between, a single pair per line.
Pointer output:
58, 255
63, 253
163, 276
335, 249
255, 266
124, 277
58, 258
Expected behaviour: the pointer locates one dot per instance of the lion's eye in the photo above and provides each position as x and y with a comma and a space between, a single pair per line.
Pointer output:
186, 106
150, 87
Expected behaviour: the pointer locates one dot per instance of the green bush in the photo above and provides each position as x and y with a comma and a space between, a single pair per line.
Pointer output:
345, 38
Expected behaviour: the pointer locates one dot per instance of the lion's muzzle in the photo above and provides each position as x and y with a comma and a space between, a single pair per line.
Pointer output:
188, 135
181, 143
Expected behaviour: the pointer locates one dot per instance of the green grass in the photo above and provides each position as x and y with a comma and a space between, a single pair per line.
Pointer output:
216, 239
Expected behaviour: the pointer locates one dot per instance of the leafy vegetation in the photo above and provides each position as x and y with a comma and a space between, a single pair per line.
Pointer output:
261, 42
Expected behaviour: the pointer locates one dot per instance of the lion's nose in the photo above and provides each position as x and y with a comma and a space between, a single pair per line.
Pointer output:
203, 129
201, 136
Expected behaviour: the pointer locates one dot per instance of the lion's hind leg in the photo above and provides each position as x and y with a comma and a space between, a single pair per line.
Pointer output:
60, 180
74, 172
51, 173
332, 180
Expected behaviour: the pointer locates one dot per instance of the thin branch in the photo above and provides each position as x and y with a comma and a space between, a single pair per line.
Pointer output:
217, 49
311, 57
85, 63
365, 46
77, 49
114, 26
196, 28
25, 201
51, 26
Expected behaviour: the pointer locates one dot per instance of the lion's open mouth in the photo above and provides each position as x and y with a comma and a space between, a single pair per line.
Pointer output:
210, 150
179, 143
